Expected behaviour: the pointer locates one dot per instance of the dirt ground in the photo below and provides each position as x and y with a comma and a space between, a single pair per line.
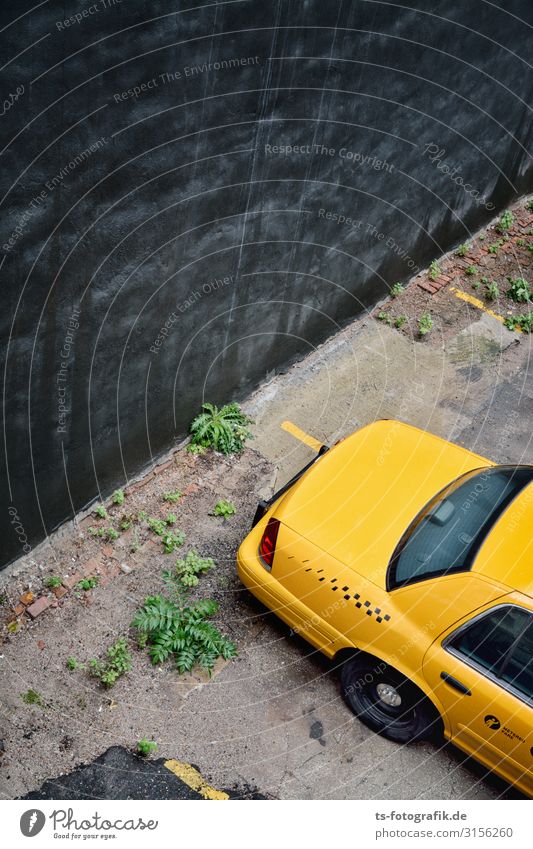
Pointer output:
272, 718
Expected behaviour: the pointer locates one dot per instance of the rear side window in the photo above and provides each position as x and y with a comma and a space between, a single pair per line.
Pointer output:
500, 642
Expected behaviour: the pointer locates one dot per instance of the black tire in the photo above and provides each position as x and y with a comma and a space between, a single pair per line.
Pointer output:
414, 718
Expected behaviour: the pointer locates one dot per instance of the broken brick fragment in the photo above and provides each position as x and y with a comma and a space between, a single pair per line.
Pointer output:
38, 606
27, 598
59, 592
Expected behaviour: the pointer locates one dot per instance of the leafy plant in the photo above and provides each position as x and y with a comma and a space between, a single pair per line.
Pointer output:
519, 290
471, 270
524, 322
223, 429
116, 663
434, 270
463, 249
385, 317
506, 221
172, 497
126, 522
146, 747
482, 237
529, 204
73, 664
104, 533
400, 321
32, 697
173, 628
476, 284
193, 448
88, 583
495, 247
396, 290
172, 540
425, 324
521, 243
188, 569
118, 496
492, 291
52, 581
101, 512
170, 519
224, 508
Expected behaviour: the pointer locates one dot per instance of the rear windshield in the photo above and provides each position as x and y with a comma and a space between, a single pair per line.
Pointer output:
447, 533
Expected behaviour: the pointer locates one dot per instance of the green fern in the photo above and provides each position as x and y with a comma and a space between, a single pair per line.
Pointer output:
223, 429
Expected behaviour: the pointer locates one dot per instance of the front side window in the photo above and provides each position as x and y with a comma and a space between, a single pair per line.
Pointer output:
448, 532
500, 642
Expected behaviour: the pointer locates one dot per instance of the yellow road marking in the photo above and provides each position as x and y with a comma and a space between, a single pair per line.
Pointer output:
304, 437
464, 296
194, 780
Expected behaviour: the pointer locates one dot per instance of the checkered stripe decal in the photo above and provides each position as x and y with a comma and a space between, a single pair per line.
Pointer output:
365, 606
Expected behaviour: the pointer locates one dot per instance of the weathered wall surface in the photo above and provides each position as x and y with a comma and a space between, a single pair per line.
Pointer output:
175, 188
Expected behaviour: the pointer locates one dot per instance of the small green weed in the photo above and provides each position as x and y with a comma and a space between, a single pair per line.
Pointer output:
476, 284
32, 697
52, 581
188, 568
87, 584
224, 508
529, 204
115, 664
425, 324
524, 322
495, 247
172, 540
434, 270
463, 249
396, 290
492, 291
471, 270
101, 512
385, 317
118, 496
193, 448
506, 221
146, 747
73, 664
400, 321
519, 290
224, 429
172, 497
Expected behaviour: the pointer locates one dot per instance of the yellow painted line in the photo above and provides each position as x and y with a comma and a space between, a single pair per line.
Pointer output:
300, 434
464, 296
192, 778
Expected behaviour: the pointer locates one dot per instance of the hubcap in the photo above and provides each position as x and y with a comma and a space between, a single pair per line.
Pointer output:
389, 695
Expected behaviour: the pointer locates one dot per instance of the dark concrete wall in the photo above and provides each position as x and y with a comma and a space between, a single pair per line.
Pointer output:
160, 247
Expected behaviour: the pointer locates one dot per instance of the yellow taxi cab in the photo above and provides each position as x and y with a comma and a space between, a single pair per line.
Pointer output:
409, 561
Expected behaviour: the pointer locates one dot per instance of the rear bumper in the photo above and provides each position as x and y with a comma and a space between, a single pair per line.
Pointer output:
268, 590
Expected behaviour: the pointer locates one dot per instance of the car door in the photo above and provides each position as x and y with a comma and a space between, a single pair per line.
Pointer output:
482, 673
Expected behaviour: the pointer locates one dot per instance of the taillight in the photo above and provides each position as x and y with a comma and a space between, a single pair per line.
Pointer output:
267, 546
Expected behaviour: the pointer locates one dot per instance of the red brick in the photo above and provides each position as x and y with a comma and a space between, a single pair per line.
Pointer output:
428, 287
19, 609
71, 581
59, 592
27, 598
39, 606
90, 567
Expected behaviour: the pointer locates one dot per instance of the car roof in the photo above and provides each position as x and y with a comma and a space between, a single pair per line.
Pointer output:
506, 555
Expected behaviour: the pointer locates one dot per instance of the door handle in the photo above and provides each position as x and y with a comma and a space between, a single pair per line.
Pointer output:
453, 682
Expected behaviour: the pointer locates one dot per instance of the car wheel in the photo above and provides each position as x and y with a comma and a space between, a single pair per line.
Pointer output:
386, 701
